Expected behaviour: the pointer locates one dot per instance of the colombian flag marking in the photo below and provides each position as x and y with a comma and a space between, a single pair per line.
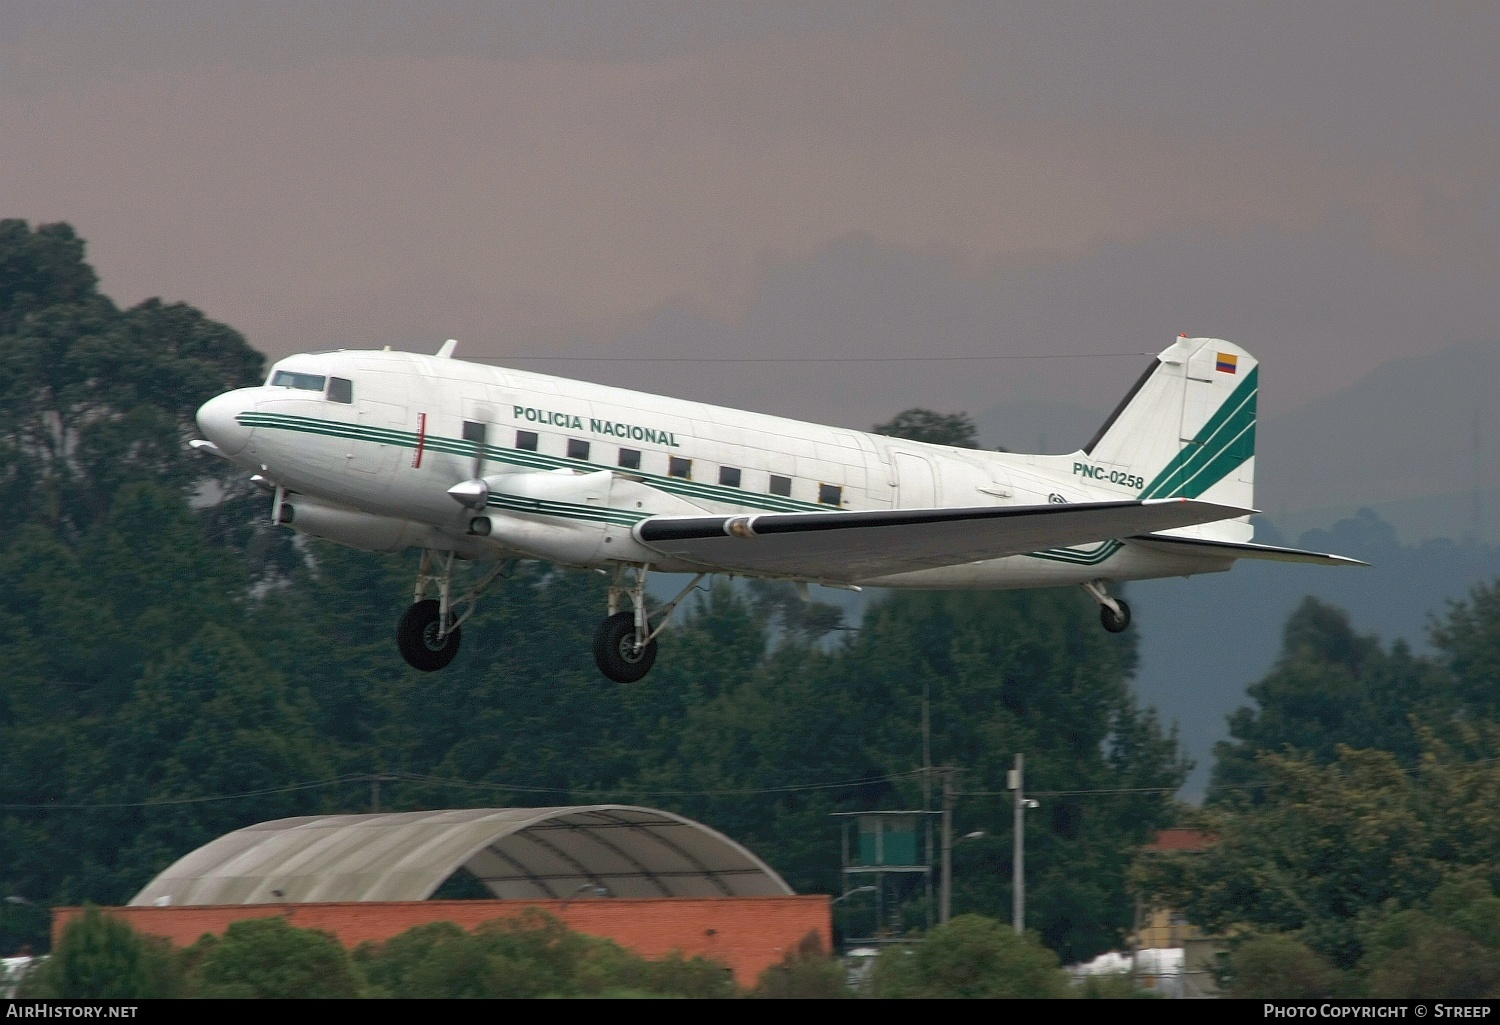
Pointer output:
1229, 363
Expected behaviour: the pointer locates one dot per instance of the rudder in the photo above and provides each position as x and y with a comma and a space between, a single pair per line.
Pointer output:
1187, 429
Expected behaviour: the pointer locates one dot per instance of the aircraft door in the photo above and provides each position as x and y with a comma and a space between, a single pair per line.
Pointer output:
916, 483
382, 417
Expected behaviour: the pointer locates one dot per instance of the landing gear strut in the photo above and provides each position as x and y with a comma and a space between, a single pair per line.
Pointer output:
625, 644
1114, 614
429, 632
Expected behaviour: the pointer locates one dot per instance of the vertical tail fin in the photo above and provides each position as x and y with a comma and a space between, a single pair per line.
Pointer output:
1187, 429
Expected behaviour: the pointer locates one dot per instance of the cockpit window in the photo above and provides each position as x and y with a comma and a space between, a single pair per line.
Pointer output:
303, 382
340, 389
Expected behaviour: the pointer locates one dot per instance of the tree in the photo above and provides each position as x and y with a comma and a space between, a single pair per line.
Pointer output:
40, 268
268, 957
970, 957
102, 958
1332, 849
1450, 948
1331, 686
92, 397
1469, 640
918, 424
1276, 967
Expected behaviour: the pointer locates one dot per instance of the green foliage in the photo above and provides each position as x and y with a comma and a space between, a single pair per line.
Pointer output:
531, 956
956, 429
100, 957
1330, 687
92, 397
267, 957
1333, 849
1279, 967
1469, 639
807, 973
1448, 949
1119, 986
970, 957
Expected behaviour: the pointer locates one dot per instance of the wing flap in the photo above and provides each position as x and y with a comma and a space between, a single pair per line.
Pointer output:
852, 546
1244, 550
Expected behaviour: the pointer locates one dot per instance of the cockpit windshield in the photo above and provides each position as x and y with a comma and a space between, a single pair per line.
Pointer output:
303, 382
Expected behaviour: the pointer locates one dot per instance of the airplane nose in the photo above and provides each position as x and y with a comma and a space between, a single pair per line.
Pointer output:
216, 419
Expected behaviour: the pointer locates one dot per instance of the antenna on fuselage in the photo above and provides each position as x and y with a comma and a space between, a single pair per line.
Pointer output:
446, 352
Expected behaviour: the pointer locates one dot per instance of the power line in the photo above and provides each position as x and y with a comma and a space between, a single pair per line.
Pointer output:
800, 359
747, 791
169, 801
405, 777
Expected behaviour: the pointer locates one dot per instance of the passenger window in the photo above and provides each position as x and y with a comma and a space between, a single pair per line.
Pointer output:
680, 467
474, 432
578, 449
830, 494
729, 476
340, 390
781, 486
526, 440
630, 459
303, 382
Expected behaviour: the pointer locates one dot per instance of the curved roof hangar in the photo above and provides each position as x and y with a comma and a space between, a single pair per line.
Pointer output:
518, 853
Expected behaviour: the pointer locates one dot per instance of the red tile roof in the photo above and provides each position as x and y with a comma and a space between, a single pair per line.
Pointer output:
1181, 840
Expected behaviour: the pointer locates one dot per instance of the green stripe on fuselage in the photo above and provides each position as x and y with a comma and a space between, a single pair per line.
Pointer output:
522, 458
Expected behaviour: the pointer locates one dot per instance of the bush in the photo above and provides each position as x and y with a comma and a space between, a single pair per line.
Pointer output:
534, 955
806, 973
268, 957
1280, 967
971, 956
101, 957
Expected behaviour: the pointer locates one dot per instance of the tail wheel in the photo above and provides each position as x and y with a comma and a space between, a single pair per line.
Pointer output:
1115, 622
615, 652
417, 637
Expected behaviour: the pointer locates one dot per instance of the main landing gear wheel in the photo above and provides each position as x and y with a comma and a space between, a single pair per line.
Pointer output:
417, 636
616, 652
1115, 622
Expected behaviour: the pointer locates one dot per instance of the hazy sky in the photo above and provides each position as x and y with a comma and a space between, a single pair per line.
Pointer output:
1320, 182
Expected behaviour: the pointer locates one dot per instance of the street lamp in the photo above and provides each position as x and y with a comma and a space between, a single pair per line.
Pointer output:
857, 889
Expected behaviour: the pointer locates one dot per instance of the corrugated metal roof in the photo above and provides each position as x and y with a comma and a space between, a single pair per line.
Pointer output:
519, 853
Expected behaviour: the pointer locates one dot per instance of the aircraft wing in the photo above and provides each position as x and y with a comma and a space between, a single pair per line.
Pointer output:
852, 546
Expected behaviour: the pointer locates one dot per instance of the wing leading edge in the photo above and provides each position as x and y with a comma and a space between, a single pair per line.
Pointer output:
852, 546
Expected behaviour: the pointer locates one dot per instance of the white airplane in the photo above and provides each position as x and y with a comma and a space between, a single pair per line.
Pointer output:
385, 451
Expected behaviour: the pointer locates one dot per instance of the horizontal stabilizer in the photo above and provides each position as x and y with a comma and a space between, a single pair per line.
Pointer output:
853, 546
1244, 550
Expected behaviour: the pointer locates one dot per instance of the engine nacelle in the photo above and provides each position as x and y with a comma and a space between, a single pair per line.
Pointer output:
358, 529
561, 517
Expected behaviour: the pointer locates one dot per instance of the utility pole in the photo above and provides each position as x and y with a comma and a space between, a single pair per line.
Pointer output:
945, 895
927, 789
1018, 854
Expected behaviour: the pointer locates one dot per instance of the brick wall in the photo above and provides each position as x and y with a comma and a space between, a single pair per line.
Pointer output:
747, 934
